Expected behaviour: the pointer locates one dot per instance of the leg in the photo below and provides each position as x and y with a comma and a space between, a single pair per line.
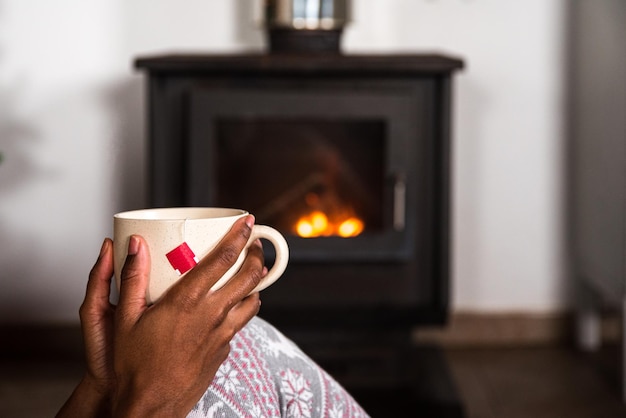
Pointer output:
266, 374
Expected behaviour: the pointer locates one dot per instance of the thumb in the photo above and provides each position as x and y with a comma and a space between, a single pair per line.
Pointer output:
134, 280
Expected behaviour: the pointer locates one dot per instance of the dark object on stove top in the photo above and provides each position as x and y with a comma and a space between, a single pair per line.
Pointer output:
301, 26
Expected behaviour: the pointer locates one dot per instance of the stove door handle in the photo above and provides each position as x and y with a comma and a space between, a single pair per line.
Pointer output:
399, 202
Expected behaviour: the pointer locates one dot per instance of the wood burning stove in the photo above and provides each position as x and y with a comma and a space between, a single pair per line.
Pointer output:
348, 156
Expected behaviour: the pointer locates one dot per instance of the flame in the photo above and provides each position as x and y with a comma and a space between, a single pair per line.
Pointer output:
317, 224
351, 227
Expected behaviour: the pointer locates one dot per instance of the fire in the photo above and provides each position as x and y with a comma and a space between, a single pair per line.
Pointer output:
351, 227
317, 224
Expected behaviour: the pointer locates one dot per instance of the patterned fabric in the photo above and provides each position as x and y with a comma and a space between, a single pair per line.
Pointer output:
267, 375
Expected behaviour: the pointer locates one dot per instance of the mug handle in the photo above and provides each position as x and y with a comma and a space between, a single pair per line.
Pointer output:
282, 253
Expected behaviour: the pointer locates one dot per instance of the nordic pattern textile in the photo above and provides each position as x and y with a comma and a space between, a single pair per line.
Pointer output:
267, 375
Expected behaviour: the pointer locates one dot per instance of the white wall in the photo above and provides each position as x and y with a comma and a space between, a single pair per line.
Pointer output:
508, 138
71, 130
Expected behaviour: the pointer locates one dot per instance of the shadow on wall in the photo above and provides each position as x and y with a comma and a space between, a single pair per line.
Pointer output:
94, 180
17, 138
70, 151
16, 135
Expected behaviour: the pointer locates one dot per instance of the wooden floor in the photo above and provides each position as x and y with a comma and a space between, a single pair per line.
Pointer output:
538, 383
493, 383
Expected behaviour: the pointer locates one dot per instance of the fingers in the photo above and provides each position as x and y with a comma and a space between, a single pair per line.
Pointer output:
194, 288
246, 279
99, 284
244, 311
214, 265
134, 280
237, 317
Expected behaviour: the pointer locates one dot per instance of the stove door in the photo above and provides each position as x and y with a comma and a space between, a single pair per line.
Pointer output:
338, 173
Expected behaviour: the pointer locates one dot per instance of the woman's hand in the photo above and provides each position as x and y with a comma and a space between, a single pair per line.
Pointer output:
92, 397
158, 360
167, 354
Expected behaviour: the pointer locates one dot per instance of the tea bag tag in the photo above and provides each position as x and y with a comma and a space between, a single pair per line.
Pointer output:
182, 258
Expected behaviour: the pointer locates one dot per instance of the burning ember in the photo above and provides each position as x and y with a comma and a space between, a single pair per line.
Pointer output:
317, 224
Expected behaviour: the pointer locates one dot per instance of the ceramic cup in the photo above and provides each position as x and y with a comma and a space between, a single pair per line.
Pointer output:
179, 237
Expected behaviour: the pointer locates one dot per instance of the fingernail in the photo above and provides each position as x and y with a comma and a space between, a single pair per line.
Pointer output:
133, 245
250, 221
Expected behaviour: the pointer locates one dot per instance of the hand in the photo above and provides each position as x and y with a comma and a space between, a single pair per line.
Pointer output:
166, 355
160, 359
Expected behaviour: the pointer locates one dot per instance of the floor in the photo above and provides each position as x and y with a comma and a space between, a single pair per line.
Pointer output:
550, 382
538, 383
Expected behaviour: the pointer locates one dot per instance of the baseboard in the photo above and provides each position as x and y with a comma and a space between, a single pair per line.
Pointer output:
471, 329
41, 342
464, 329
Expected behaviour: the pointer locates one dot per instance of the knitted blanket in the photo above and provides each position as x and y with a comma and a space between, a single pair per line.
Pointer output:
267, 375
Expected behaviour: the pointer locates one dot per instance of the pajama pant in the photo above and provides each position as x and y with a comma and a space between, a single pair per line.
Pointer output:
267, 375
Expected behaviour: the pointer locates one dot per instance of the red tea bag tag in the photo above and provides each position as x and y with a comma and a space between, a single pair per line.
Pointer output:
182, 258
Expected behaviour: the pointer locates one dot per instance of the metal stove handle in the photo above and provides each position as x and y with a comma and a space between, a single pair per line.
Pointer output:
399, 202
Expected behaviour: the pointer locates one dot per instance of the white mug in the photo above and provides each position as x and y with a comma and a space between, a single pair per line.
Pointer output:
179, 237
